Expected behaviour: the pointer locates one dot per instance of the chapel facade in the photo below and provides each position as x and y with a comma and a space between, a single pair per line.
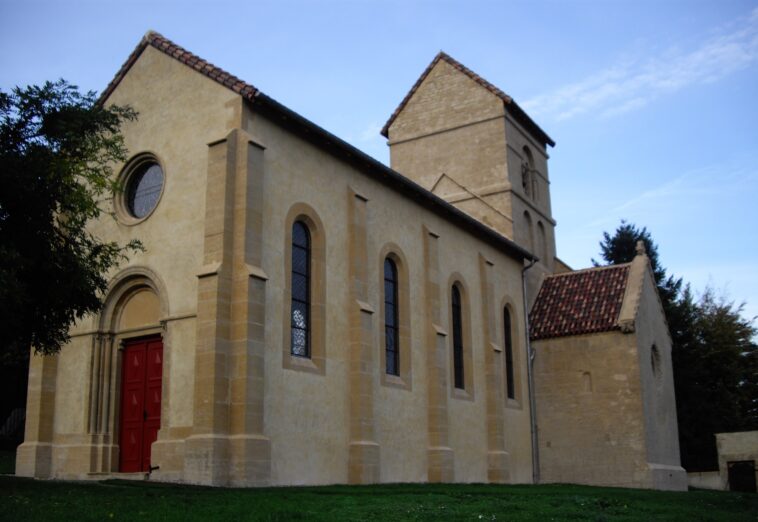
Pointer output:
303, 314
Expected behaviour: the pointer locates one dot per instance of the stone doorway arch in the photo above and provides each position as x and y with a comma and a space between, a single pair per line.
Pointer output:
136, 306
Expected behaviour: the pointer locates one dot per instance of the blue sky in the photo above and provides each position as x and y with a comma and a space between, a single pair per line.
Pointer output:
653, 104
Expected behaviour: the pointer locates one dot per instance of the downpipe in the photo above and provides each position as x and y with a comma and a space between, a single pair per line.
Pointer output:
530, 380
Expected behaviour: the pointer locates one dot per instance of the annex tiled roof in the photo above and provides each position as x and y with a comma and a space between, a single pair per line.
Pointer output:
582, 302
519, 113
192, 60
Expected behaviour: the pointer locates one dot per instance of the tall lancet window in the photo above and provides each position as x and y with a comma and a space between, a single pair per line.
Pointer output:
510, 386
391, 337
527, 172
458, 379
300, 343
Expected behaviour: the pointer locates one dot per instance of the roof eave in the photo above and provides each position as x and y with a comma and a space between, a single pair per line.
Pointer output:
524, 119
363, 161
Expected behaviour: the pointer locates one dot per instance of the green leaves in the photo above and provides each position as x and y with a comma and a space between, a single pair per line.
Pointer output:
57, 149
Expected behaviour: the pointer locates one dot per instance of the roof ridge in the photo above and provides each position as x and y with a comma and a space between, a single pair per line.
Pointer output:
478, 79
589, 269
168, 47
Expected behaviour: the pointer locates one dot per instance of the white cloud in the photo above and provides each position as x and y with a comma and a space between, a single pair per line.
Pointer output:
635, 83
709, 181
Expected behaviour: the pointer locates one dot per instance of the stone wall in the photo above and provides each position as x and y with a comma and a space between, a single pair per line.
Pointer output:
589, 410
736, 446
180, 112
605, 401
657, 382
414, 443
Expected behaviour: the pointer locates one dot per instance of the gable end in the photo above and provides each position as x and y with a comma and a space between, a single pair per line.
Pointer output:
510, 105
179, 53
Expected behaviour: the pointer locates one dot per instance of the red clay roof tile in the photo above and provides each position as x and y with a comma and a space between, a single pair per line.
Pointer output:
192, 60
575, 303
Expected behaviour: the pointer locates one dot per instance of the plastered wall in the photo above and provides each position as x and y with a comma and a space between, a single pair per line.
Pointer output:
306, 413
175, 125
210, 431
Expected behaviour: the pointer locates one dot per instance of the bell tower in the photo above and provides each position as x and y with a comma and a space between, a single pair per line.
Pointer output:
467, 141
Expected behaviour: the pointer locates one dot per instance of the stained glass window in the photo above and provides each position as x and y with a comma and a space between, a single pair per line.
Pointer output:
507, 334
301, 295
391, 327
143, 189
457, 339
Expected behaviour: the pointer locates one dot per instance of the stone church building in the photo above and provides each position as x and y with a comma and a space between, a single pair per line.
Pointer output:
303, 314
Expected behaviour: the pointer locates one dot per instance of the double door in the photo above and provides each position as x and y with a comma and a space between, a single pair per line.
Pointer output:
141, 384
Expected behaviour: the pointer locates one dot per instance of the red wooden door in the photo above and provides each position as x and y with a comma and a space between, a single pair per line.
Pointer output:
141, 380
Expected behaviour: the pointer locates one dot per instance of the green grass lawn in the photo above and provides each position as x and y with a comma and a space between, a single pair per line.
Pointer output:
26, 499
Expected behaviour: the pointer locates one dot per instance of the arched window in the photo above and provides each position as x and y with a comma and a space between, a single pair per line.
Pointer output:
510, 385
458, 373
542, 252
529, 231
527, 169
394, 343
300, 341
391, 318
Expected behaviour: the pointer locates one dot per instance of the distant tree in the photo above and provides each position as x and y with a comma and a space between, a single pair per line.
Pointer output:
57, 148
621, 247
716, 377
714, 357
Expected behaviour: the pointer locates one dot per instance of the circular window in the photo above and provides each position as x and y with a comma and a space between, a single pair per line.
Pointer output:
144, 189
142, 180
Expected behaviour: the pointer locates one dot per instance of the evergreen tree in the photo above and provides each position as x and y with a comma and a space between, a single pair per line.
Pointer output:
621, 247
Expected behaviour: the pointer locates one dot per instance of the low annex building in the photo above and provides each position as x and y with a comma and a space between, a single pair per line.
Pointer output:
738, 453
603, 379
303, 314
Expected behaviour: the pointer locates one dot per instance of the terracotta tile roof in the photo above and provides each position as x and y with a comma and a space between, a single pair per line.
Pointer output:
519, 113
192, 60
581, 302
